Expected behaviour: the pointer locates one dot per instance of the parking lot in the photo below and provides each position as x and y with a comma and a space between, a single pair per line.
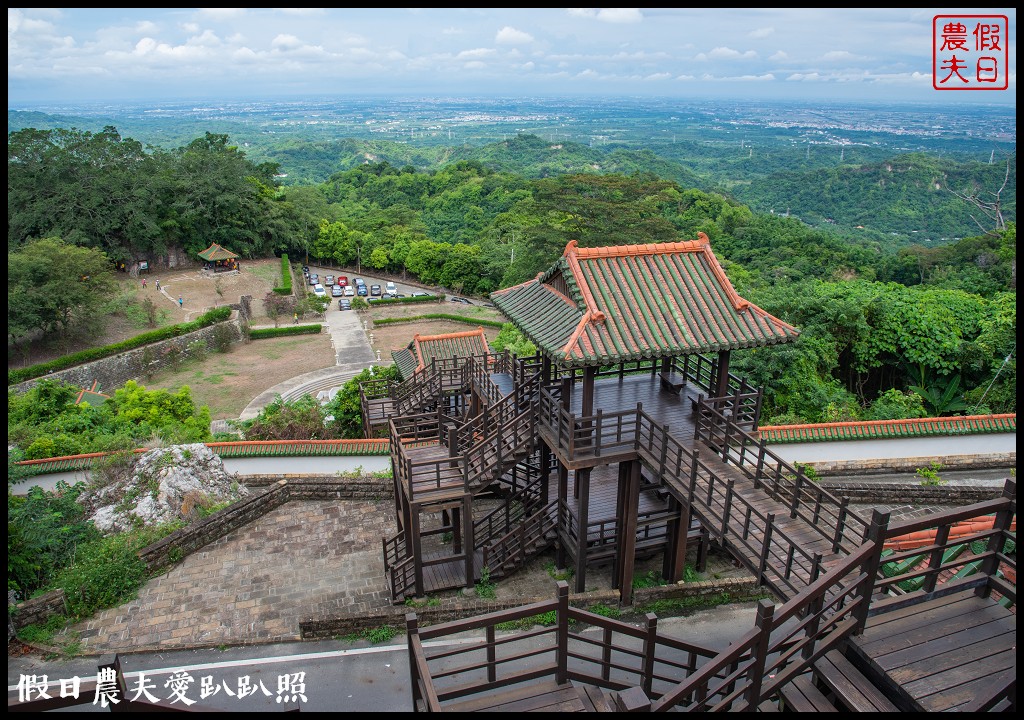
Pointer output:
370, 280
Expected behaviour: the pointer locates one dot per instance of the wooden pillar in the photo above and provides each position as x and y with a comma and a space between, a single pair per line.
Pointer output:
627, 550
456, 529
722, 384
589, 376
675, 552
545, 472
620, 509
583, 518
470, 544
417, 547
666, 364
563, 498
545, 369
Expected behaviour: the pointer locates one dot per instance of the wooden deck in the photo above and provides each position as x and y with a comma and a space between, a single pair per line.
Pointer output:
938, 655
544, 696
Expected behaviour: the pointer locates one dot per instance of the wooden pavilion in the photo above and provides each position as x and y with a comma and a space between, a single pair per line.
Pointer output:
425, 348
219, 259
624, 333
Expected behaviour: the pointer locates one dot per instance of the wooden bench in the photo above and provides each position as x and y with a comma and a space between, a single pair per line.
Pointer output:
852, 690
672, 381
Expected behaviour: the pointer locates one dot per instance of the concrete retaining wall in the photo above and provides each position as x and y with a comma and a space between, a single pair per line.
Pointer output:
114, 371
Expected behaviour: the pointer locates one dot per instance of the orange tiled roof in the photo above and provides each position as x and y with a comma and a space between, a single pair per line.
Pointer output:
630, 302
423, 348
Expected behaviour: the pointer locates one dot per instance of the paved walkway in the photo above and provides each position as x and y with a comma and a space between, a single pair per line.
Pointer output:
303, 559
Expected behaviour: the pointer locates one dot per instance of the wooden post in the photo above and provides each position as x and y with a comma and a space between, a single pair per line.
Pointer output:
755, 672
837, 541
673, 571
627, 551
563, 499
876, 537
470, 543
562, 646
621, 501
411, 632
650, 649
996, 543
417, 547
456, 529
722, 389
762, 565
583, 515
813, 610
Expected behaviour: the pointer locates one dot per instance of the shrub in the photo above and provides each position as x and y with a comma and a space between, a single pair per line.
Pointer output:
285, 288
440, 316
260, 333
223, 337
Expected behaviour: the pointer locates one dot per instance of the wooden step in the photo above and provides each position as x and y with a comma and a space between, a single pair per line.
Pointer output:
852, 689
802, 696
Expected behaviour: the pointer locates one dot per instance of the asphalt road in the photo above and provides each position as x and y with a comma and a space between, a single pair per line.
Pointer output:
337, 676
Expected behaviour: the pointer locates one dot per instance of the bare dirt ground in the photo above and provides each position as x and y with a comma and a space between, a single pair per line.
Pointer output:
227, 382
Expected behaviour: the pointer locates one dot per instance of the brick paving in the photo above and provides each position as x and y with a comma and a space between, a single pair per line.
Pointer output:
304, 559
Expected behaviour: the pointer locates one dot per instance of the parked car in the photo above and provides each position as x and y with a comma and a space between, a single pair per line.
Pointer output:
422, 294
314, 279
361, 291
342, 280
344, 304
337, 291
372, 299
329, 280
349, 291
375, 290
462, 300
390, 288
358, 282
305, 270
319, 290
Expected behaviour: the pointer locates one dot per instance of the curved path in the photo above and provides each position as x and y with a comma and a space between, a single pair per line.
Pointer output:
352, 353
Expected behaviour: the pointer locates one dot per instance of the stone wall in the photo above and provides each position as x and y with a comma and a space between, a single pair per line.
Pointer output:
114, 371
910, 465
325, 487
38, 609
188, 539
699, 594
910, 493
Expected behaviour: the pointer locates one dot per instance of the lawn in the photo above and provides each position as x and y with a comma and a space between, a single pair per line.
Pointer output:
227, 382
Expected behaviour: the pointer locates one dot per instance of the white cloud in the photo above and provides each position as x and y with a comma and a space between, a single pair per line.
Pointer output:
208, 38
145, 46
685, 77
805, 77
302, 12
145, 26
286, 42
659, 76
761, 32
510, 36
17, 22
840, 55
608, 15
452, 31
475, 53
779, 56
727, 53
222, 13
475, 65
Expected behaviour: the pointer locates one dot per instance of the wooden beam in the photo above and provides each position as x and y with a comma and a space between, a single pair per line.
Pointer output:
675, 554
563, 497
414, 539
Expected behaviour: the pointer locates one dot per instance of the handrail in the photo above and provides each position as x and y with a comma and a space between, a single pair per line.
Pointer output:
827, 514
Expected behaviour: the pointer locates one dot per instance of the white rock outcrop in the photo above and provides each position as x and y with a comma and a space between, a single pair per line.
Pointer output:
162, 485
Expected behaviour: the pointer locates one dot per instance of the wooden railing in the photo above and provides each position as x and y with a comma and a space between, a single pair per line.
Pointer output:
784, 483
949, 564
786, 642
589, 437
728, 516
519, 544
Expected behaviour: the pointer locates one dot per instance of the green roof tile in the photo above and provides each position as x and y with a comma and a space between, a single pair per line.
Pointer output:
602, 305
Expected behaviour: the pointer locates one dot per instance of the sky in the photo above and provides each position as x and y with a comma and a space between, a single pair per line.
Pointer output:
110, 54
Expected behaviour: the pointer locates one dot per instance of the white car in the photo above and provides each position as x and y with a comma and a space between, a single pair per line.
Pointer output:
391, 288
319, 290
350, 291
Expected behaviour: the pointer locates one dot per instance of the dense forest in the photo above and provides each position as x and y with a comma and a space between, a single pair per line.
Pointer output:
888, 329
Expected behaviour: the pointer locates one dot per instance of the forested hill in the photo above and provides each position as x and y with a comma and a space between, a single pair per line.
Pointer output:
908, 195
